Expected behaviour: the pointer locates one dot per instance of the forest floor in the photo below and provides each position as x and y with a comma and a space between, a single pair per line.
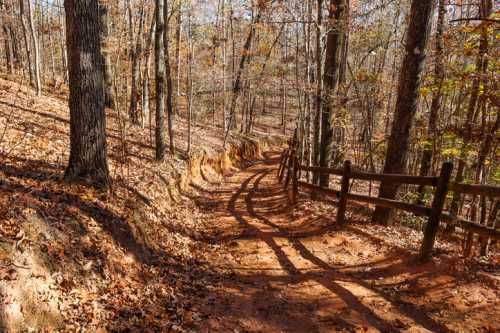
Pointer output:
290, 269
225, 253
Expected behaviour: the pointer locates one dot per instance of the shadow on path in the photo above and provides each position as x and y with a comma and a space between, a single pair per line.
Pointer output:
258, 212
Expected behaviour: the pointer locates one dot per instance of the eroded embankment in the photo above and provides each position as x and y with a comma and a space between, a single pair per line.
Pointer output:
75, 258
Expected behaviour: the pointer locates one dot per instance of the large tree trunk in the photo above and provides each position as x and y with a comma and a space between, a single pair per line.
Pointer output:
338, 11
88, 157
426, 163
407, 101
109, 94
160, 81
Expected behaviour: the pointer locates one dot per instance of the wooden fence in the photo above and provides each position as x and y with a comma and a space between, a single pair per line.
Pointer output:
290, 166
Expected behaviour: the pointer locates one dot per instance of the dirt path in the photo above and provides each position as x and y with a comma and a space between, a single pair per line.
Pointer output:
284, 269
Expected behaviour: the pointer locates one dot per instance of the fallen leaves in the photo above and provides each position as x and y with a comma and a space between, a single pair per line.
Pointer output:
109, 262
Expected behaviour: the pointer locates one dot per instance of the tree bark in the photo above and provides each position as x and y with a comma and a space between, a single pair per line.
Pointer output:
36, 49
88, 157
9, 54
62, 38
52, 50
160, 81
189, 67
168, 74
223, 61
481, 68
284, 92
237, 82
407, 101
338, 10
146, 111
24, 24
319, 89
136, 67
430, 147
106, 68
178, 39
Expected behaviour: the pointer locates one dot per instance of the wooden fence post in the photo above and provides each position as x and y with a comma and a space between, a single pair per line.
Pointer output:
437, 208
291, 156
344, 191
283, 166
282, 159
295, 180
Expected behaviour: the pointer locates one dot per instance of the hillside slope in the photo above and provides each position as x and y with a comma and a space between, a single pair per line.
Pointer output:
73, 257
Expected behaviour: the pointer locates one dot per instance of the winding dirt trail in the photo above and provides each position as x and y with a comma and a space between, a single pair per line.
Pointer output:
289, 269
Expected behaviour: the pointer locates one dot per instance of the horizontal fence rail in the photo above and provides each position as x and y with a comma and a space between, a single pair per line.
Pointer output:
484, 190
327, 171
435, 213
474, 227
412, 208
393, 178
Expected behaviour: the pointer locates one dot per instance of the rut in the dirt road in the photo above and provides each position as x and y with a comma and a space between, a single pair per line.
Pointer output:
293, 270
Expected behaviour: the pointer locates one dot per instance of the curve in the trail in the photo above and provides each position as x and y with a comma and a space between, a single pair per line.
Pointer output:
292, 270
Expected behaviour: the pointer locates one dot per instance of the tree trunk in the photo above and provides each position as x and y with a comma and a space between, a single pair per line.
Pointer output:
26, 41
9, 55
284, 91
146, 111
136, 68
481, 68
319, 89
223, 61
62, 38
237, 82
430, 147
16, 53
168, 73
178, 39
190, 81
338, 10
88, 157
52, 51
36, 49
109, 94
407, 101
160, 81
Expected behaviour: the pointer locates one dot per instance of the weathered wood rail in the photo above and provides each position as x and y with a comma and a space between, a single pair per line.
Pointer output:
290, 166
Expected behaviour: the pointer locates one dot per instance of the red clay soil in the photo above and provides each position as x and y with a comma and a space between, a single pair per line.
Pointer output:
290, 269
